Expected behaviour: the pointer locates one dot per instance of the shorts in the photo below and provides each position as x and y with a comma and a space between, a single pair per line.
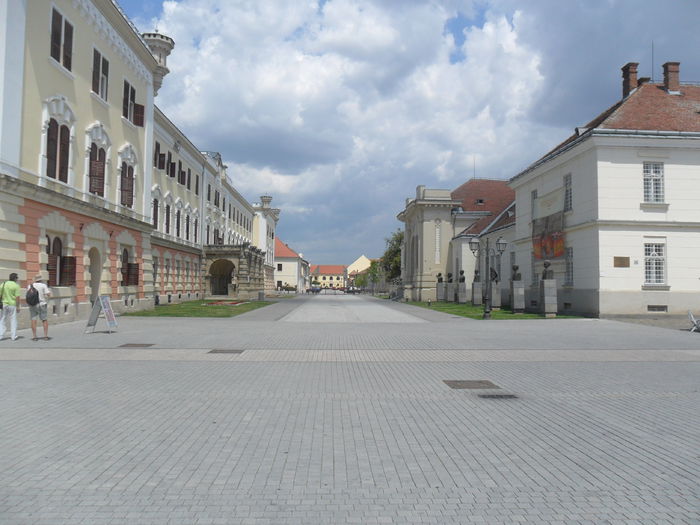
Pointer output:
38, 310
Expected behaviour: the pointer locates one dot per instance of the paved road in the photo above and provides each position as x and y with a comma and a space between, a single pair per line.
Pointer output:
348, 420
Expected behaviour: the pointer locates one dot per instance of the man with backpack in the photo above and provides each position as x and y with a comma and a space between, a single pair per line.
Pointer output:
9, 299
36, 299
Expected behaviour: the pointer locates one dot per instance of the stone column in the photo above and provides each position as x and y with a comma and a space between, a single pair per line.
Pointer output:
517, 292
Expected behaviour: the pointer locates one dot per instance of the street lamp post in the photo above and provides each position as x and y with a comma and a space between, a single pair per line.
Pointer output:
475, 247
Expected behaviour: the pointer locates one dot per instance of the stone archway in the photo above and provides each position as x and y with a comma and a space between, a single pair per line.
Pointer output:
95, 269
221, 273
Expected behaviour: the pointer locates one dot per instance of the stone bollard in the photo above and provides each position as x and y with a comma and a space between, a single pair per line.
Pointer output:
517, 296
477, 297
450, 296
462, 293
441, 291
548, 297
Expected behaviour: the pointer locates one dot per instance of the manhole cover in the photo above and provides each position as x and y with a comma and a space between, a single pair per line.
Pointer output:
225, 351
497, 396
469, 384
136, 345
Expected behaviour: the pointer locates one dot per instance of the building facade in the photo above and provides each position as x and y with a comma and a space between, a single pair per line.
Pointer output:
98, 189
615, 207
329, 276
291, 269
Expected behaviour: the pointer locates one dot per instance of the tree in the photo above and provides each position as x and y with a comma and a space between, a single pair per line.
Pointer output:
390, 262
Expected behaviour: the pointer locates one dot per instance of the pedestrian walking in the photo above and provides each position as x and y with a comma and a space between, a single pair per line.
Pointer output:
9, 302
37, 292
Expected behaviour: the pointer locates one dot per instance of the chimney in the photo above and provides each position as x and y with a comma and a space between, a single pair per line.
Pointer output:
629, 78
671, 77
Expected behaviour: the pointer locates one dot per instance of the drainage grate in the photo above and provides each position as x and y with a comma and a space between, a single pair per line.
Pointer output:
136, 345
225, 351
497, 396
470, 384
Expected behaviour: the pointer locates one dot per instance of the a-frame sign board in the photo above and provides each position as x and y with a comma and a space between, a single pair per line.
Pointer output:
102, 305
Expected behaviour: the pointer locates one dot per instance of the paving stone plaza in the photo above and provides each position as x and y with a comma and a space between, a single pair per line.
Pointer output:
334, 409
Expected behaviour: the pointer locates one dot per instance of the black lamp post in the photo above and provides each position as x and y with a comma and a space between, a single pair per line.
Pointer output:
475, 247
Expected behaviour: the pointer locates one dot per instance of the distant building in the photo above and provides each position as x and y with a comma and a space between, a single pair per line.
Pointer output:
329, 275
291, 269
438, 225
615, 207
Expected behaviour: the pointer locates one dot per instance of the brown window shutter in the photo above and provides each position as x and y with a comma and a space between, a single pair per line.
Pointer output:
56, 26
105, 73
96, 61
132, 274
123, 183
161, 161
67, 46
138, 114
51, 148
52, 267
63, 150
189, 178
68, 271
156, 155
155, 213
125, 100
131, 186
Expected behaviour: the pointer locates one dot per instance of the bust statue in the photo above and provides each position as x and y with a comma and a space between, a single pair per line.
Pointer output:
515, 275
439, 277
449, 277
547, 273
477, 278
461, 276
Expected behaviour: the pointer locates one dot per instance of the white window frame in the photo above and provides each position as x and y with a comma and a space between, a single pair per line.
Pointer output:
655, 268
653, 182
568, 193
569, 266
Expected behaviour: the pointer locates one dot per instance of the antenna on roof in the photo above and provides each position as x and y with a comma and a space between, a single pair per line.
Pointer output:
652, 61
473, 166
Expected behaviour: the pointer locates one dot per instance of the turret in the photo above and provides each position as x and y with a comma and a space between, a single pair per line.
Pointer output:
160, 46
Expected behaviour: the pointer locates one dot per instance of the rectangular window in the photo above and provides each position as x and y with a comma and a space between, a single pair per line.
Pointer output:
100, 74
155, 213
654, 263
156, 155
567, 192
533, 202
61, 40
653, 182
208, 192
279, 267
569, 273
196, 184
132, 111
189, 178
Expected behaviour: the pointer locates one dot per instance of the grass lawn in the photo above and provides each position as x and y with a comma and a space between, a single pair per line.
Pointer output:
200, 308
477, 312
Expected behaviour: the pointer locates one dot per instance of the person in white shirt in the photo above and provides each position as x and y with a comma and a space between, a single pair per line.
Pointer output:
40, 310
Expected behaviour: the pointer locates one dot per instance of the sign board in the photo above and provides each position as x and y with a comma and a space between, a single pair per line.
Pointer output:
548, 236
102, 304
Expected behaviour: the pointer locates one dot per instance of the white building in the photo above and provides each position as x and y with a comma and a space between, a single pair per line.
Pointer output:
291, 269
616, 207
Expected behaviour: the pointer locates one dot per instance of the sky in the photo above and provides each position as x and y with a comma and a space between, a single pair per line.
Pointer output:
340, 108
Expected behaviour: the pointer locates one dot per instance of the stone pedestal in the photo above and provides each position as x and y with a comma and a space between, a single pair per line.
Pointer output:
548, 297
441, 291
476, 294
496, 295
462, 293
517, 296
451, 288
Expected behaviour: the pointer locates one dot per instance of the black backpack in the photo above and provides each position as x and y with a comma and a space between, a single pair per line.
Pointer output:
32, 296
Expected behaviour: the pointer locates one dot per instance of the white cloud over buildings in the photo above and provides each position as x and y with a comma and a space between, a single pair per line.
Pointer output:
340, 108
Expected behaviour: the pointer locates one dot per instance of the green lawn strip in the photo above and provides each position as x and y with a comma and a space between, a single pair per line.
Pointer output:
477, 312
199, 308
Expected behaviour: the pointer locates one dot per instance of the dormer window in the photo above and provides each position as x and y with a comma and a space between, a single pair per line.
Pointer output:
480, 202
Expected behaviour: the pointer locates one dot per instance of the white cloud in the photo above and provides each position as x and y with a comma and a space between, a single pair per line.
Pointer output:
340, 109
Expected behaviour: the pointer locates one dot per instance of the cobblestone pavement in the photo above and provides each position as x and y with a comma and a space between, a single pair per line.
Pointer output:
362, 430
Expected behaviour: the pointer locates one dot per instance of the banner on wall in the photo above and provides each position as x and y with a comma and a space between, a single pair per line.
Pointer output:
548, 236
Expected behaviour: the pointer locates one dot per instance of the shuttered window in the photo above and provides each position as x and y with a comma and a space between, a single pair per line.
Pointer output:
187, 227
196, 185
51, 148
100, 74
127, 185
156, 156
125, 266
61, 40
97, 170
189, 178
131, 111
195, 230
155, 213
63, 152
177, 223
167, 218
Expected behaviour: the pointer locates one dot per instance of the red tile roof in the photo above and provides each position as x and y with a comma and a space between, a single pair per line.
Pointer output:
487, 195
282, 250
328, 269
649, 108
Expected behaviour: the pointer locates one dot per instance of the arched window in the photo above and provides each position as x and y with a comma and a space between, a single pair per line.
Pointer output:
187, 227
155, 213
195, 230
57, 150
177, 223
97, 170
167, 218
125, 266
127, 185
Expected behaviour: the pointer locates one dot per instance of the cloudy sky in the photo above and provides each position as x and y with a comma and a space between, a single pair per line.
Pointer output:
340, 108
